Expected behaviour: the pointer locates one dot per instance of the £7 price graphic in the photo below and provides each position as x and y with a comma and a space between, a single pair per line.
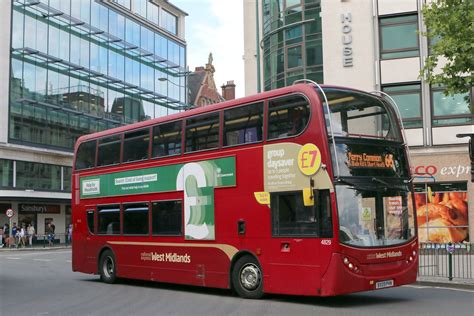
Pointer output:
309, 159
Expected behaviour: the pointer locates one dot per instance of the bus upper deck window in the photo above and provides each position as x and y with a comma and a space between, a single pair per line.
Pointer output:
135, 145
85, 157
287, 116
202, 132
243, 124
109, 150
167, 139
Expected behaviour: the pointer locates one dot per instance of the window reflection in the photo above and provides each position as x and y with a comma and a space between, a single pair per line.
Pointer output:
74, 102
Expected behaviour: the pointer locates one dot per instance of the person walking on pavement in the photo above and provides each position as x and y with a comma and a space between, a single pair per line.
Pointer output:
51, 228
31, 233
14, 237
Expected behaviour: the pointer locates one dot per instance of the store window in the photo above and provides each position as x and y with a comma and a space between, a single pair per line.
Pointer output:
442, 212
6, 173
399, 37
451, 110
37, 176
408, 99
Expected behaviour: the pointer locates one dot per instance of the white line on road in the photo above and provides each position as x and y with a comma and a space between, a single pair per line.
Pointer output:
38, 253
69, 261
439, 287
13, 258
45, 260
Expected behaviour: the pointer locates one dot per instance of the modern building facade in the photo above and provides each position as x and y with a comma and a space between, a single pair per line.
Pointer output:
72, 67
369, 45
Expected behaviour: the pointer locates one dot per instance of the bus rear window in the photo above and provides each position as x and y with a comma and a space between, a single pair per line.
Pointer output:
85, 157
287, 116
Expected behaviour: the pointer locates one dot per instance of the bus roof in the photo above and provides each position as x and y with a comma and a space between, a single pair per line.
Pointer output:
306, 88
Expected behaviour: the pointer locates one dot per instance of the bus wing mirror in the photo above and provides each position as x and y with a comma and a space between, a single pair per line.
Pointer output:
308, 196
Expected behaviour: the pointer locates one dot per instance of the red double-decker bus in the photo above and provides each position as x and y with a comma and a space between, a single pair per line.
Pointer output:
302, 190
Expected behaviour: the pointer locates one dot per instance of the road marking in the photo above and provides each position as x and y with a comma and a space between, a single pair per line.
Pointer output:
69, 261
439, 288
45, 260
13, 258
38, 253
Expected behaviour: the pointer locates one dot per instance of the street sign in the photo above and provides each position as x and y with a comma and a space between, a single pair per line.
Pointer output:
9, 213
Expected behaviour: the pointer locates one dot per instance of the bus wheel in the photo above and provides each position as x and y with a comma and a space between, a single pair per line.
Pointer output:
247, 278
107, 267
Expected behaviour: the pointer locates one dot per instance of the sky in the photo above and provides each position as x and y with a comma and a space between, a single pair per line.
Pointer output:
216, 26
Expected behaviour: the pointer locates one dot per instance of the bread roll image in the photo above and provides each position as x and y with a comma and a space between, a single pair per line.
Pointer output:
420, 200
445, 198
441, 234
456, 195
428, 212
460, 206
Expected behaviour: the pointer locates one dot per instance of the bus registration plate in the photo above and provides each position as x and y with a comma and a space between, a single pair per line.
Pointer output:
384, 284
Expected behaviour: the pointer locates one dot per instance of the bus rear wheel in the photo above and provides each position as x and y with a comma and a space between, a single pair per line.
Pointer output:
247, 278
107, 267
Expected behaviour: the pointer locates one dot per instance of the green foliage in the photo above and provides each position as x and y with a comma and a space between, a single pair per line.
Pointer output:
450, 25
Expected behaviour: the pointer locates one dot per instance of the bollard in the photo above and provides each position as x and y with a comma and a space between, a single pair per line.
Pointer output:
450, 250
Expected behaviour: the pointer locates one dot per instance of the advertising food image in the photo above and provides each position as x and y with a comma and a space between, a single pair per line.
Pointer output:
442, 213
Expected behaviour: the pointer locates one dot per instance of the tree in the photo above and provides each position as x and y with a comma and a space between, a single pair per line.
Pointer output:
450, 25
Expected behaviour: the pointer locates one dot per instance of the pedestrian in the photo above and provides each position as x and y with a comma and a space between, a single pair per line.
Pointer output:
50, 232
1, 236
31, 233
14, 236
22, 236
69, 234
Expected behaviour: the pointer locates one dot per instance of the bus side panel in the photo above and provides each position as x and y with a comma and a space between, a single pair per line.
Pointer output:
202, 266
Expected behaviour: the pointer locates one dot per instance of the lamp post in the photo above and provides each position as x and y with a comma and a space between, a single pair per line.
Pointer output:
186, 106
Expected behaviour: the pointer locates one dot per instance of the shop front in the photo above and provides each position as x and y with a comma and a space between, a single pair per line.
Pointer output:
39, 215
443, 196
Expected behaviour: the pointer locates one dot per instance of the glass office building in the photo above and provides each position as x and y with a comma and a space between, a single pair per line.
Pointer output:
81, 66
292, 42
73, 67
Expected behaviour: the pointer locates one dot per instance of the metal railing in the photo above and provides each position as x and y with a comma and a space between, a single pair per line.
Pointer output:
451, 261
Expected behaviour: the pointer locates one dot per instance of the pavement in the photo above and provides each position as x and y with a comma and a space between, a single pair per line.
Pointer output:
432, 281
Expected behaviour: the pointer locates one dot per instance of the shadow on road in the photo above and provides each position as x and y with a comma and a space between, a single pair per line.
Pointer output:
343, 301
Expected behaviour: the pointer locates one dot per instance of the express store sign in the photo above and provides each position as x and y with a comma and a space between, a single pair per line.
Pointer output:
432, 170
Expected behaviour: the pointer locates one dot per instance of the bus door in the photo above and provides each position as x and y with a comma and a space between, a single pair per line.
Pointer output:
298, 230
84, 244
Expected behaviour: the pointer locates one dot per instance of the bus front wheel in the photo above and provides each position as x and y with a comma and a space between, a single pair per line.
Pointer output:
108, 267
247, 278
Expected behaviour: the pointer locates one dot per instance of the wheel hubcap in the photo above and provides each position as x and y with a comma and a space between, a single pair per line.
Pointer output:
108, 267
250, 277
